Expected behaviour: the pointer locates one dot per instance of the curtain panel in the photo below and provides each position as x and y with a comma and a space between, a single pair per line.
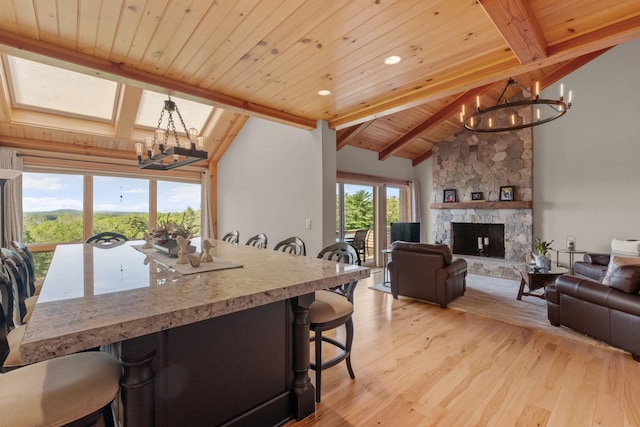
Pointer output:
12, 203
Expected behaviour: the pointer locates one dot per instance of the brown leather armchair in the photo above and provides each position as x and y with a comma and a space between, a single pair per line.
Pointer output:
427, 272
610, 313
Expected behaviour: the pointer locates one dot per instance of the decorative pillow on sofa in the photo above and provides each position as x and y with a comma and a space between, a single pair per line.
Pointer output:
626, 279
631, 247
615, 263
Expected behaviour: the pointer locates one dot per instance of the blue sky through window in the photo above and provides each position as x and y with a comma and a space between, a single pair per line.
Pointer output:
49, 192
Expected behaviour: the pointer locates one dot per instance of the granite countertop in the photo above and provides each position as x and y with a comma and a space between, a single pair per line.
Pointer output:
93, 296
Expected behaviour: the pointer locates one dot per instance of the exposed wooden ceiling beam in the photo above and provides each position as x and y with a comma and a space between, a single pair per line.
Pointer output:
601, 38
85, 158
127, 111
421, 158
17, 45
65, 148
351, 135
433, 121
517, 24
5, 99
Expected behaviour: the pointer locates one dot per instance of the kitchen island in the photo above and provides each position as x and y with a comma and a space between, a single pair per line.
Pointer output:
203, 348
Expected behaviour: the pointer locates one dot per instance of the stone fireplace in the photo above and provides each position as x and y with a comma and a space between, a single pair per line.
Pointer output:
472, 162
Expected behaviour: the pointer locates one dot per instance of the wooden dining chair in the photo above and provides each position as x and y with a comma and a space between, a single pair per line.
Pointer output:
72, 390
232, 237
258, 241
331, 309
292, 245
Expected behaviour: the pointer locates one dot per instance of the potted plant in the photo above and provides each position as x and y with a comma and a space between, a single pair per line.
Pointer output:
542, 247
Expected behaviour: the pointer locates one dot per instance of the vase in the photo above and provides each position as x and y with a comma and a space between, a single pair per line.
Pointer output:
541, 261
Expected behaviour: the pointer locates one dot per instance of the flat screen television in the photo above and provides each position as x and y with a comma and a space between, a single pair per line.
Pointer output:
405, 231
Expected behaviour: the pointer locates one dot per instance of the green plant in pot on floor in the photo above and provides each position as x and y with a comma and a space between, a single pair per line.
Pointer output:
542, 249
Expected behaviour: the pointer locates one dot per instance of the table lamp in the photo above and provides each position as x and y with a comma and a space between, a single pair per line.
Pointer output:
6, 175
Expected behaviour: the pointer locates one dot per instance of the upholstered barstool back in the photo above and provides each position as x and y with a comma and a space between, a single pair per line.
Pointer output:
333, 308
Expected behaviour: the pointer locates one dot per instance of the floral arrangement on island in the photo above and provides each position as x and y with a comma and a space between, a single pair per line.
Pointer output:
170, 230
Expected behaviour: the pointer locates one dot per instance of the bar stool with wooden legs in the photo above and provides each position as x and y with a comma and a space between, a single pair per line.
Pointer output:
331, 309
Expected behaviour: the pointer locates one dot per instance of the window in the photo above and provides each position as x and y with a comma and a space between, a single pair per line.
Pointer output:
398, 206
52, 206
356, 212
151, 106
42, 87
121, 205
365, 201
180, 203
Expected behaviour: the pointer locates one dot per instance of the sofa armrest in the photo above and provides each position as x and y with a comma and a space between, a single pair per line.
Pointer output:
597, 293
597, 258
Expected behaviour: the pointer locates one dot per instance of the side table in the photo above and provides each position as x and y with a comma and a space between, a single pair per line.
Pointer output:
571, 256
535, 279
386, 253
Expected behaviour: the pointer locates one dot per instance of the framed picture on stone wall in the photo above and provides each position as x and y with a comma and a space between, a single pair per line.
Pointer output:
449, 196
477, 196
507, 192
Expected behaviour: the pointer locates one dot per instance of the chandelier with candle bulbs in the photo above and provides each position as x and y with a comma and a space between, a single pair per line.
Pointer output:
498, 119
164, 151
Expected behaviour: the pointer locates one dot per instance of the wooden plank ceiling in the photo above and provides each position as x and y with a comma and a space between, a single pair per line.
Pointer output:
269, 58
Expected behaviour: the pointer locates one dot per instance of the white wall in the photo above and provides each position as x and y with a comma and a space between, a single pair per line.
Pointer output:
586, 163
358, 160
270, 181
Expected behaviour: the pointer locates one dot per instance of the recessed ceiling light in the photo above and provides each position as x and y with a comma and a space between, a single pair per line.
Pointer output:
393, 59
324, 92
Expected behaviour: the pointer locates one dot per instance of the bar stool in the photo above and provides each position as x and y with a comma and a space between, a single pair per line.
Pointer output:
72, 390
333, 308
232, 237
292, 245
258, 241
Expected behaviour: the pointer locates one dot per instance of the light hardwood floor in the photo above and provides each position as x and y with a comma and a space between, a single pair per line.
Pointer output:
419, 365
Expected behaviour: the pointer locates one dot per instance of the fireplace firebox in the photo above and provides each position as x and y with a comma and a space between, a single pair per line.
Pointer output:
478, 239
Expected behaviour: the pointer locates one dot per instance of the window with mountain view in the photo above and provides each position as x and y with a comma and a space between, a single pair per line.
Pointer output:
52, 206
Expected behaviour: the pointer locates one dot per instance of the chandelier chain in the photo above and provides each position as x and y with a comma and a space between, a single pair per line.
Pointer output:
171, 125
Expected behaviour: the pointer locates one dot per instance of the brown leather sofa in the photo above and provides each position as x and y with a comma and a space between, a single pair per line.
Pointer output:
593, 266
610, 313
427, 272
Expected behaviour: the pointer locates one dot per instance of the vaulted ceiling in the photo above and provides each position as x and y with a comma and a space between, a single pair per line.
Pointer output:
269, 58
